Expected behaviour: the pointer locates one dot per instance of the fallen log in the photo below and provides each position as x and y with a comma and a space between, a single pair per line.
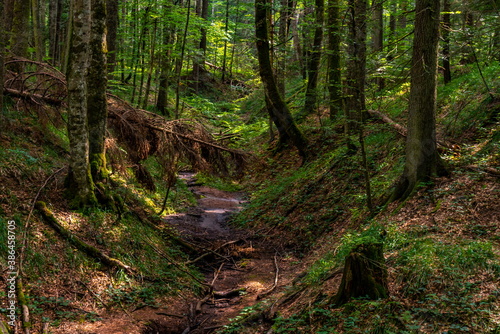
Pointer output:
89, 250
401, 129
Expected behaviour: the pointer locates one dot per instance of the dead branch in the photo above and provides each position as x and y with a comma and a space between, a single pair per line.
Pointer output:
399, 128
215, 252
275, 284
91, 251
489, 170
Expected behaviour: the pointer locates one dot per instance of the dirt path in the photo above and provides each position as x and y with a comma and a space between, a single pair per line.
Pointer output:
238, 266
244, 267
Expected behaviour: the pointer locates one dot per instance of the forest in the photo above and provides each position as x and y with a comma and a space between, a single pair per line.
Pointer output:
249, 166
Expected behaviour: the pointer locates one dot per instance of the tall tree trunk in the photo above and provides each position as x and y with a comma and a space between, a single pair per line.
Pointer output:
80, 187
165, 69
286, 12
334, 67
181, 60
446, 28
297, 43
36, 18
112, 21
199, 62
55, 33
355, 108
20, 34
378, 36
226, 29
311, 100
422, 159
279, 112
96, 86
152, 56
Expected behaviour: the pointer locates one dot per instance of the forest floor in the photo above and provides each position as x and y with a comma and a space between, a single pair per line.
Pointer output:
240, 268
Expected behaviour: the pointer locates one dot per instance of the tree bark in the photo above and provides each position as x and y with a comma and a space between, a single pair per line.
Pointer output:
422, 158
96, 95
79, 182
55, 33
37, 29
334, 67
279, 112
378, 36
355, 107
365, 275
20, 34
446, 28
311, 99
112, 32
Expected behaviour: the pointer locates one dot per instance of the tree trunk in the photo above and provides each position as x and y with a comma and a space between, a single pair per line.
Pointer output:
79, 182
36, 18
311, 99
422, 159
355, 108
365, 275
112, 31
97, 86
20, 33
378, 36
286, 12
55, 33
334, 66
152, 56
181, 61
224, 56
199, 61
280, 114
446, 28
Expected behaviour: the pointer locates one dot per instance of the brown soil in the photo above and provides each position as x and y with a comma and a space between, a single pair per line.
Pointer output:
245, 263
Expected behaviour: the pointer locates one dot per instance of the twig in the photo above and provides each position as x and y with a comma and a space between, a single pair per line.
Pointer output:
262, 295
26, 225
214, 252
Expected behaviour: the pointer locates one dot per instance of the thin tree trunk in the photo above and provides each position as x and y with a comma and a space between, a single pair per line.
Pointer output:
422, 158
181, 60
446, 28
97, 85
55, 32
151, 65
279, 112
226, 29
311, 100
80, 186
334, 67
378, 35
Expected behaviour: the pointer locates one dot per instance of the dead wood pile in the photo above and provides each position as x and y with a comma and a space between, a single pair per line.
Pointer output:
134, 134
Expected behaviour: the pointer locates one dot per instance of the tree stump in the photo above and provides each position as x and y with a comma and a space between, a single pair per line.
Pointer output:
365, 274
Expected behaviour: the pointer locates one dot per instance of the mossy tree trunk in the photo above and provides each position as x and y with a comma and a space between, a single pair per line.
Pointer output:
365, 274
422, 158
280, 114
96, 91
80, 186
